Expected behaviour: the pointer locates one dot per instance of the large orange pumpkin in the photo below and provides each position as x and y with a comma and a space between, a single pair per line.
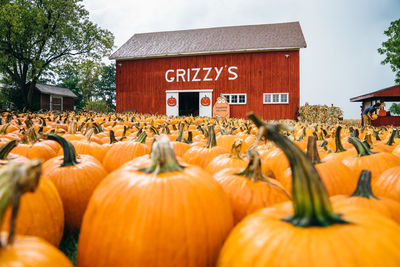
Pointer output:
388, 184
75, 177
162, 215
309, 232
17, 179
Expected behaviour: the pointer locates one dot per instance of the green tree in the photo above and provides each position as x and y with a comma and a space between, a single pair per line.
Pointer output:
105, 85
395, 108
68, 77
36, 35
391, 48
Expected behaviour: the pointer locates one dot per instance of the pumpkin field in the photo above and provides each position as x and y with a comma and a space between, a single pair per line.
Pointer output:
91, 189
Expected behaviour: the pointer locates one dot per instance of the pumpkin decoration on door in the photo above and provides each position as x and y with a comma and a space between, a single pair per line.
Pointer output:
205, 101
171, 101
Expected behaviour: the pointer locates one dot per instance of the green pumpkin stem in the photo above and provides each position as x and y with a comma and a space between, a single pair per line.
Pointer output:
312, 151
253, 170
141, 138
377, 138
364, 186
15, 180
6, 148
189, 140
212, 140
68, 148
311, 204
390, 142
338, 140
362, 149
163, 158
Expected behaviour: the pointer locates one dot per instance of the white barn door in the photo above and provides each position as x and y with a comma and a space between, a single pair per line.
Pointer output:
205, 105
172, 103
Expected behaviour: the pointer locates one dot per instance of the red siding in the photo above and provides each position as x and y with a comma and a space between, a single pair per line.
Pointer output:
141, 84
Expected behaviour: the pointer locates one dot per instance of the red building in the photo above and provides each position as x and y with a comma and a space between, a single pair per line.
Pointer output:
182, 72
390, 94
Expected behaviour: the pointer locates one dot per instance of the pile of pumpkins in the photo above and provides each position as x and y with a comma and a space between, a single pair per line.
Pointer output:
151, 190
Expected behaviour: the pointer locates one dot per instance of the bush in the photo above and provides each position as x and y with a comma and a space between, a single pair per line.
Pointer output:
395, 109
100, 106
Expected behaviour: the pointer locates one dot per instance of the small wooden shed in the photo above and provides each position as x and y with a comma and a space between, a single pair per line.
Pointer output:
54, 98
390, 94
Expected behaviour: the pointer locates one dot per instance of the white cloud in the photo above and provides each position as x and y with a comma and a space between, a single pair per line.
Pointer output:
341, 60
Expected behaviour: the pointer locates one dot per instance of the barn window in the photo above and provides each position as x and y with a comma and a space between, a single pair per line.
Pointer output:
276, 98
236, 99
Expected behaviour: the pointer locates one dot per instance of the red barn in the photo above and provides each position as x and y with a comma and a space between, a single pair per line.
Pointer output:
182, 72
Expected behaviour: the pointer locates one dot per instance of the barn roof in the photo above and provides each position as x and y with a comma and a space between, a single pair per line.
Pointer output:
250, 38
54, 90
387, 94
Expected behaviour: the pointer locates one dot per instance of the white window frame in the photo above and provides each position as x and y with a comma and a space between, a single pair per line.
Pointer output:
279, 98
230, 97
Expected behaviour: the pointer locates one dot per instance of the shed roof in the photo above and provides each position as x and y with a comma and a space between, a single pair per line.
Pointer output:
250, 38
54, 90
387, 94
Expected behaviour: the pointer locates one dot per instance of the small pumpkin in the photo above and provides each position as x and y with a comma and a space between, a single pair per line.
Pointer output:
248, 189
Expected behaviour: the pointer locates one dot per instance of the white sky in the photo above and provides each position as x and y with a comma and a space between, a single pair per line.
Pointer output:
341, 59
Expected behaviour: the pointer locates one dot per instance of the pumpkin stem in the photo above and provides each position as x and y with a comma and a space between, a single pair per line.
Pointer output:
112, 137
89, 134
391, 138
364, 186
253, 170
6, 148
68, 148
15, 180
310, 200
154, 130
338, 140
141, 138
362, 149
163, 158
236, 149
377, 138
312, 151
180, 133
212, 140
3, 129
368, 140
189, 140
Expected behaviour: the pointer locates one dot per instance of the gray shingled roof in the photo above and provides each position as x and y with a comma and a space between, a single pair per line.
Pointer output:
219, 40
54, 90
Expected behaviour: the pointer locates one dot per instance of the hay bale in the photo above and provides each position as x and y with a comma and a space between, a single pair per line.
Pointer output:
319, 114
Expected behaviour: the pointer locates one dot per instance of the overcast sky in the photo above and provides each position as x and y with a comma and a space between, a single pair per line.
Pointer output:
341, 59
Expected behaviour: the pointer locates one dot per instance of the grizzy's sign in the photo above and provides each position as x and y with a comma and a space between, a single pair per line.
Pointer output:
200, 74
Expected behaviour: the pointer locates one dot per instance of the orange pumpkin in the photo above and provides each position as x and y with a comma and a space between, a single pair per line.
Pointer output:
375, 162
388, 184
75, 177
231, 160
147, 208
306, 225
17, 179
364, 197
202, 156
122, 152
248, 189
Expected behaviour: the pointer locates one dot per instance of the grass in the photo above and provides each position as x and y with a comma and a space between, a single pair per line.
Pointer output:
69, 246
